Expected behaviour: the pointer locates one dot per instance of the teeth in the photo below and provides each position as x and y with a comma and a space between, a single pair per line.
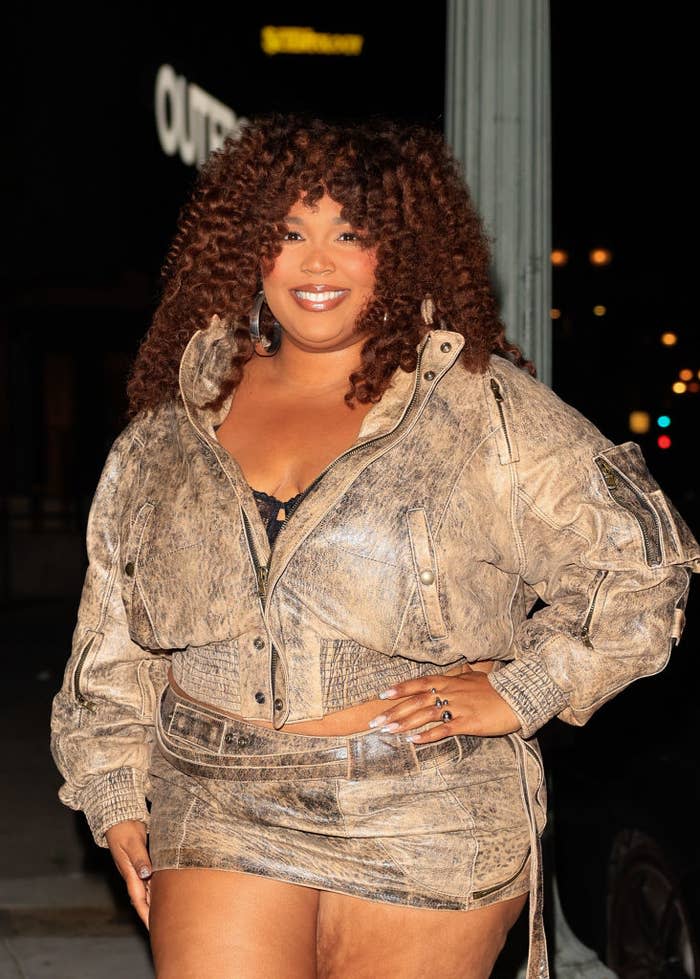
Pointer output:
318, 297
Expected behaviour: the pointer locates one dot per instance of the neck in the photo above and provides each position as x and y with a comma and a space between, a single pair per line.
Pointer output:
313, 372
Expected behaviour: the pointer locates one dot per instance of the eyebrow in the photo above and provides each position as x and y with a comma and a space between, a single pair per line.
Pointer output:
295, 220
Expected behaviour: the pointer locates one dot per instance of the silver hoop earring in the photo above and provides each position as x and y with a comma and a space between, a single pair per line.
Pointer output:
271, 346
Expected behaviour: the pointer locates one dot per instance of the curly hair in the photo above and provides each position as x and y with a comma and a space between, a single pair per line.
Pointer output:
398, 182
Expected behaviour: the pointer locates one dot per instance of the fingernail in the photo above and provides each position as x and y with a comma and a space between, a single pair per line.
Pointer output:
390, 727
391, 692
144, 872
413, 737
376, 721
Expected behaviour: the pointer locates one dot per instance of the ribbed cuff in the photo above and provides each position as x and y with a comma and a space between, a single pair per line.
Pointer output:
530, 692
113, 797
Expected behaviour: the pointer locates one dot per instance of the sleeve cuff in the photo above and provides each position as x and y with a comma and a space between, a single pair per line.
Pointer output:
113, 797
530, 692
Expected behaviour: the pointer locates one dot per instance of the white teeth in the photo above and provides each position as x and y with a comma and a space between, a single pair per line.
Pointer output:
318, 297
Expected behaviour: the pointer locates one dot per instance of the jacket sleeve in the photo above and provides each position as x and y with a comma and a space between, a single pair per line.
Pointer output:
102, 716
604, 549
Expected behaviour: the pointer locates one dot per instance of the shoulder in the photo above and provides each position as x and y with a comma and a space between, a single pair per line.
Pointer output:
538, 417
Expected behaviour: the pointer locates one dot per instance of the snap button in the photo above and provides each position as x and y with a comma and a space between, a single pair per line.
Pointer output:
129, 569
229, 736
427, 577
445, 347
429, 375
258, 642
279, 703
243, 740
260, 697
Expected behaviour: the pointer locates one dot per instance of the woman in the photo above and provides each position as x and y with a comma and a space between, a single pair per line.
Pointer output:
305, 633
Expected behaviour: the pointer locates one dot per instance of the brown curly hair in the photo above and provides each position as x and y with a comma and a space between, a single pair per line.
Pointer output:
398, 182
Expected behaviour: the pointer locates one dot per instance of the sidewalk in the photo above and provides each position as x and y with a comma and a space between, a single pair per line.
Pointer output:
64, 911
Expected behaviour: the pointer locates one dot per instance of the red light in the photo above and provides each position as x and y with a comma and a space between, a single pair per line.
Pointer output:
663, 442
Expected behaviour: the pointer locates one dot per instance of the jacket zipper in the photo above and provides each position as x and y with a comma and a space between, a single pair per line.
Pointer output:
80, 698
584, 633
261, 574
370, 441
611, 477
499, 401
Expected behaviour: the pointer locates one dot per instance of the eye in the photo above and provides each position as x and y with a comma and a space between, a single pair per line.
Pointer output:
286, 237
353, 235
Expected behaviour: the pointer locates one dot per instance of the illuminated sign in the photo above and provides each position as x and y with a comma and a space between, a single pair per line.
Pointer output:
188, 119
305, 40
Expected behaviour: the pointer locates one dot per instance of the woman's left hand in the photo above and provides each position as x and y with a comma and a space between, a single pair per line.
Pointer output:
475, 707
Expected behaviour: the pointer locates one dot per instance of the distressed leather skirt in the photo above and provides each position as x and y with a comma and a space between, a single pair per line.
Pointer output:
451, 825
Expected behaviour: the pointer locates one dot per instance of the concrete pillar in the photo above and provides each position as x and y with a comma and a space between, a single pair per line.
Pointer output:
497, 119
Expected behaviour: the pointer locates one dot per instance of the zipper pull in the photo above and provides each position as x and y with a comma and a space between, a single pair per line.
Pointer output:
496, 390
608, 474
262, 580
585, 637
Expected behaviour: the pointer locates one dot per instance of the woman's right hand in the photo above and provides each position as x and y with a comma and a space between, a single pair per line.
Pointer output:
127, 844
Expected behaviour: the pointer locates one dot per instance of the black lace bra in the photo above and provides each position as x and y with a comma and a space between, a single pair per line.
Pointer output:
270, 506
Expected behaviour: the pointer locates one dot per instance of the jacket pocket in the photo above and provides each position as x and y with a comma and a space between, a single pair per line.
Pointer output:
426, 571
665, 537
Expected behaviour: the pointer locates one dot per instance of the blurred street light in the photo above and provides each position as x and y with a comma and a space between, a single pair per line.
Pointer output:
600, 256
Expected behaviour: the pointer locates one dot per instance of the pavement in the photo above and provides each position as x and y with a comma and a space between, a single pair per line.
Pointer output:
64, 912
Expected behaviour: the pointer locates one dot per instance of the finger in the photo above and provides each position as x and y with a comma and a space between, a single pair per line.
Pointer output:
416, 718
140, 899
421, 684
399, 713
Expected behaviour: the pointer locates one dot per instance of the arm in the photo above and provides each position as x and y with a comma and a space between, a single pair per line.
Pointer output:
102, 717
606, 551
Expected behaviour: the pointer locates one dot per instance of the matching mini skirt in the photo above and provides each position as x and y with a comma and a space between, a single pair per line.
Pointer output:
451, 825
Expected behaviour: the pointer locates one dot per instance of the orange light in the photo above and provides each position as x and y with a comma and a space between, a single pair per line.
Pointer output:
639, 422
679, 387
559, 257
694, 387
663, 442
600, 310
685, 374
669, 339
600, 256
555, 314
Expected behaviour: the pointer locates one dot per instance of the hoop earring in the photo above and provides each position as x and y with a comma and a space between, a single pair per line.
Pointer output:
271, 346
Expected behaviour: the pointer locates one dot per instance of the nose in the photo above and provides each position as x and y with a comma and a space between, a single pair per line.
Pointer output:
317, 261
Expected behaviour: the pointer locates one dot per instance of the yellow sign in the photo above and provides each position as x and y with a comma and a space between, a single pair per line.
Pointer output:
305, 40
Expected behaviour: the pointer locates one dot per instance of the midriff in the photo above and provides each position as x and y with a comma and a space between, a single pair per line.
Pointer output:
350, 720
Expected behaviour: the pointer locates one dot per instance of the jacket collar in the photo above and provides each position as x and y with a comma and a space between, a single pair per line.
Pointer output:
207, 360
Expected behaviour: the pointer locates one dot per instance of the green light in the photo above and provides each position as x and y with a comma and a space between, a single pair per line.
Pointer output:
663, 421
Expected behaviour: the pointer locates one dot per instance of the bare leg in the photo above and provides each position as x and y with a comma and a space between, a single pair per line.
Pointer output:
226, 925
360, 939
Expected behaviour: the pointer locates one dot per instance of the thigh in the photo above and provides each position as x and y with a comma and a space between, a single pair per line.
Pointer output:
221, 924
365, 939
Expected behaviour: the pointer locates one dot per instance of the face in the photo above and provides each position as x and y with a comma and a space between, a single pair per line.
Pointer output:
321, 280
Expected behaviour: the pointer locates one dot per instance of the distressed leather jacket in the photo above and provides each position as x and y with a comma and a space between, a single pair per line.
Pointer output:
465, 498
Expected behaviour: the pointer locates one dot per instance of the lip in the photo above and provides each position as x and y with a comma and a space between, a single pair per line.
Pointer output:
319, 307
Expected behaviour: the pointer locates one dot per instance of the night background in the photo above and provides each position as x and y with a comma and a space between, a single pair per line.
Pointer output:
90, 202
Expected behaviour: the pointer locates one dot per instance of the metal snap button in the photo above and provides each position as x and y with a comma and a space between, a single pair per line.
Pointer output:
429, 375
279, 703
229, 736
427, 577
445, 347
243, 740
260, 697
129, 569
258, 642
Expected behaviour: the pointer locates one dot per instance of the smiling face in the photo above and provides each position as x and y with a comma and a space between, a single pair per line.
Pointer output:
322, 279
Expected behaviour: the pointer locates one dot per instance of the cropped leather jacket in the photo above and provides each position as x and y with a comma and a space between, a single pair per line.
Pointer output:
465, 498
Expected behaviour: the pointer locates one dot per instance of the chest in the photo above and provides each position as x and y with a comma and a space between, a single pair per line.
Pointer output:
282, 443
